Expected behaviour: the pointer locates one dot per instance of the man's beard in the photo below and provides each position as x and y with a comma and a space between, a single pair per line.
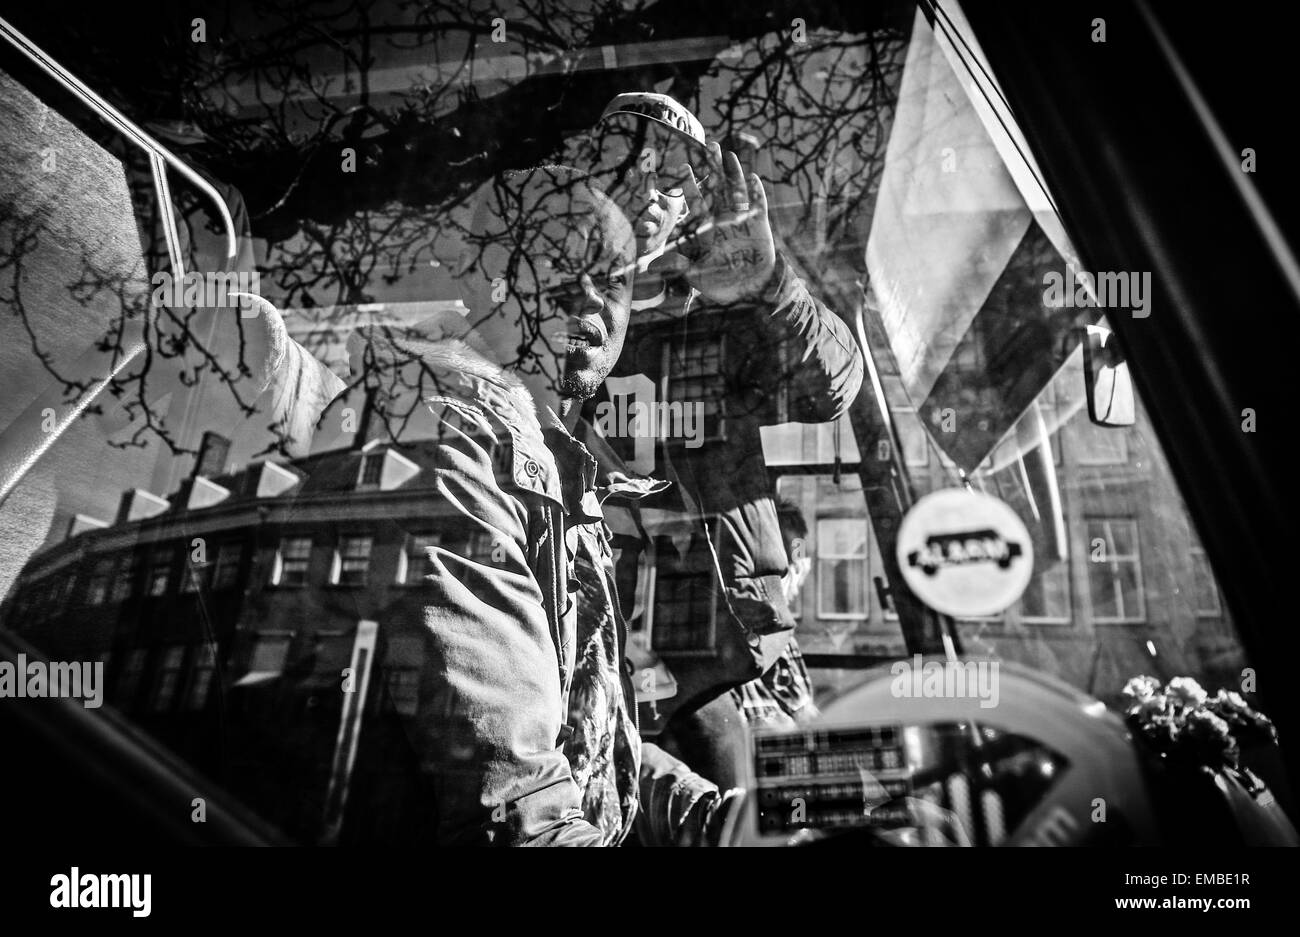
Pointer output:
579, 386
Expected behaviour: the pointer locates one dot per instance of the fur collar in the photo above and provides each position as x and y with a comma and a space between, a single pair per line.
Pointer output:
458, 359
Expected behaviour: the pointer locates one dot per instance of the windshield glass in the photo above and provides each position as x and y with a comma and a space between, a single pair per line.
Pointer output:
252, 583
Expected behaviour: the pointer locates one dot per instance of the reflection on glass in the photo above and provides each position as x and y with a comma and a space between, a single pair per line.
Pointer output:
982, 379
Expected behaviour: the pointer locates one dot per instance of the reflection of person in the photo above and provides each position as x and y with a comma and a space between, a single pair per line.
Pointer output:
712, 738
525, 727
710, 277
782, 697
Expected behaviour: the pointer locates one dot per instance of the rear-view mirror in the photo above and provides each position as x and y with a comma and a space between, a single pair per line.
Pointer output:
1107, 379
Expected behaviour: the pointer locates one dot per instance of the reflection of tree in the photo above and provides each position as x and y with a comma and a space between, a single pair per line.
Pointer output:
149, 348
283, 91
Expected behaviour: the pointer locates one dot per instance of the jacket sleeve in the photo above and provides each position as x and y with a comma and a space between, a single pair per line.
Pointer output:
678, 807
824, 363
295, 387
487, 729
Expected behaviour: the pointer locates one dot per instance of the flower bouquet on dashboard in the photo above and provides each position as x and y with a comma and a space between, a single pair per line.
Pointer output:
1195, 737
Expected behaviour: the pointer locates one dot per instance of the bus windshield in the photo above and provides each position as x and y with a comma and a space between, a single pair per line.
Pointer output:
252, 585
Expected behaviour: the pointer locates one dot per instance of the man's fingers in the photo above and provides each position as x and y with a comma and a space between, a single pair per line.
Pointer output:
715, 152
698, 216
757, 194
715, 163
694, 195
735, 187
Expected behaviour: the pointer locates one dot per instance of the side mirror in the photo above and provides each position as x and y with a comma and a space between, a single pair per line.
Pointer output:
1107, 379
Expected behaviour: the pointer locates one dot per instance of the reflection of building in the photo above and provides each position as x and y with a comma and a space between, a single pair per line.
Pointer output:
1128, 591
227, 615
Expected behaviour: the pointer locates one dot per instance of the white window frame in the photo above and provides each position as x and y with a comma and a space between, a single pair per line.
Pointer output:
101, 583
405, 558
225, 551
154, 566
819, 555
190, 583
124, 585
1113, 558
924, 461
204, 671
1064, 567
368, 459
173, 664
277, 569
336, 567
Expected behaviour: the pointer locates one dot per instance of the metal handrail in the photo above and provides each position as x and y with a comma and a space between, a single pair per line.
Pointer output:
111, 115
26, 439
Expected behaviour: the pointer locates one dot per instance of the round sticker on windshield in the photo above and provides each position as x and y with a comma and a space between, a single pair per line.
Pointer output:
964, 553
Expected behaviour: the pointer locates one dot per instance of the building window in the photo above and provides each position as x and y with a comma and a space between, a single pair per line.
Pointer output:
160, 570
841, 567
402, 662
169, 678
814, 442
1115, 571
227, 572
1206, 589
268, 655
911, 433
124, 584
100, 577
683, 594
128, 681
694, 378
291, 562
351, 561
205, 665
372, 469
413, 563
197, 575
683, 611
1047, 597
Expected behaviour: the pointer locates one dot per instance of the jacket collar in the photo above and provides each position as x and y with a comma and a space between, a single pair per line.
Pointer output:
546, 459
613, 478
577, 467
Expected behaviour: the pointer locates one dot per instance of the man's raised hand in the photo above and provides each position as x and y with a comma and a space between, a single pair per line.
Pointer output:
728, 237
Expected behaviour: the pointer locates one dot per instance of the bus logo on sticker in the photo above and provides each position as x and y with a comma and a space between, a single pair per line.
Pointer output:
942, 551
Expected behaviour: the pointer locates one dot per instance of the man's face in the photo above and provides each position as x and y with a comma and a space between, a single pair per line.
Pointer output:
548, 281
585, 287
643, 167
593, 307
796, 573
